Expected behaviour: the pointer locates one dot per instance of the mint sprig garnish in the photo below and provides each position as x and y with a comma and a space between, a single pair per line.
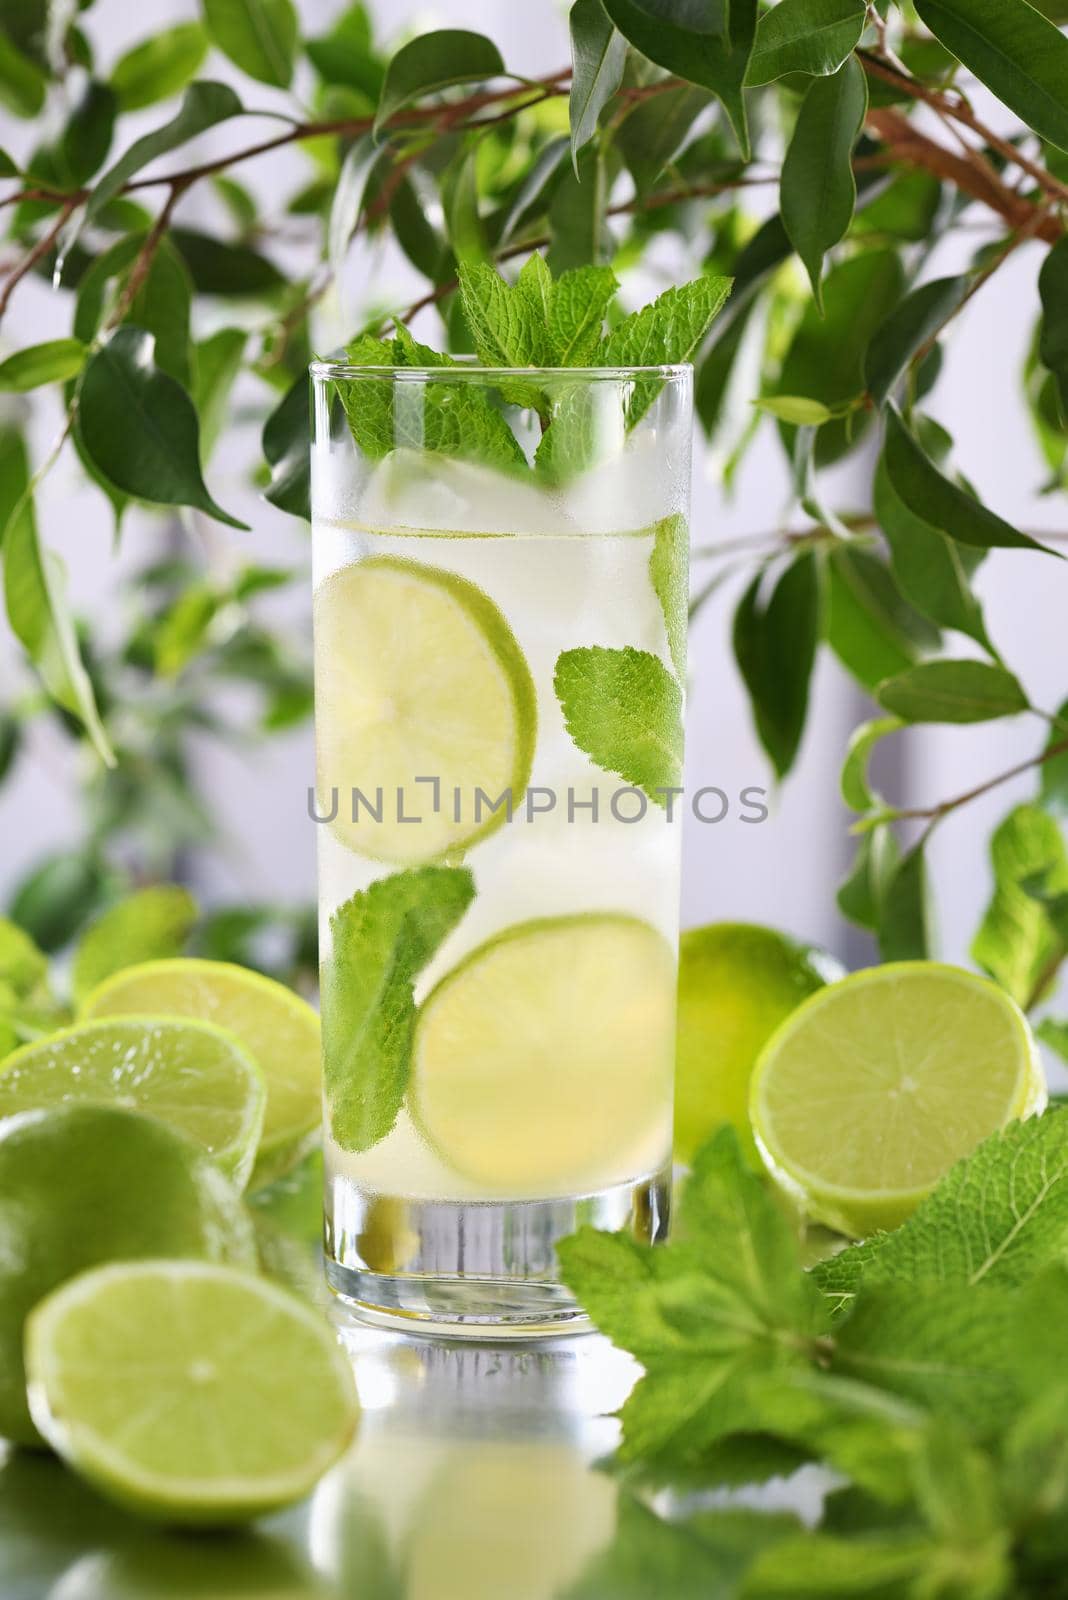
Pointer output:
624, 709
533, 322
382, 938
925, 1368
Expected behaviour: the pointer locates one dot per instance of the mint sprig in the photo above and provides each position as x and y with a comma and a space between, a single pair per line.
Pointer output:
533, 322
624, 709
382, 938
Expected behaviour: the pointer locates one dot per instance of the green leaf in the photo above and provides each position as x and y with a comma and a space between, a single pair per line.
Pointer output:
87, 137
856, 790
906, 330
935, 500
598, 54
432, 62
904, 927
380, 941
795, 408
933, 572
812, 36
624, 709
459, 193
669, 572
1015, 942
576, 214
347, 204
150, 925
725, 1303
8, 168
161, 305
862, 894
57, 897
218, 361
578, 302
507, 323
1054, 771
203, 106
1020, 56
870, 628
287, 450
139, 428
22, 84
953, 691
698, 42
670, 330
998, 1217
825, 360
1053, 339
51, 362
218, 267
34, 584
259, 36
775, 647
458, 419
653, 132
818, 190
820, 1565
160, 66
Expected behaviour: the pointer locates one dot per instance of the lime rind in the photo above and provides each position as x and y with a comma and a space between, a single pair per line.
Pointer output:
237, 1115
852, 1209
496, 634
294, 1093
91, 1315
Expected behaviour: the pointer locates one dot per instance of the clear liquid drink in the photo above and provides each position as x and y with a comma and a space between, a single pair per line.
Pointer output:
499, 690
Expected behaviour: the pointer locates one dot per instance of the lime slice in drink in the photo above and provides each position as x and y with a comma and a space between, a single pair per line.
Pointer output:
542, 1063
875, 1086
270, 1023
189, 1392
418, 675
80, 1185
190, 1074
737, 982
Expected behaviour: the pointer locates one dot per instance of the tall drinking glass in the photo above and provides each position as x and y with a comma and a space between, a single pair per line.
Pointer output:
500, 619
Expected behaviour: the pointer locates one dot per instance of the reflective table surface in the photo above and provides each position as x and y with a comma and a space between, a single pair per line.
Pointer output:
473, 1474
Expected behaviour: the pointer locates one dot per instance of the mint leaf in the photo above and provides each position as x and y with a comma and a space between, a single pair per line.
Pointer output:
624, 709
1016, 941
817, 1566
947, 1347
150, 925
381, 940
580, 299
669, 571
667, 332
503, 319
998, 1217
701, 1319
455, 419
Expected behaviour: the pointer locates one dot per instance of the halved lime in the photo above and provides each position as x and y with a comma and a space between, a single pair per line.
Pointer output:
418, 675
190, 1074
737, 981
270, 1023
875, 1086
190, 1393
83, 1184
543, 1062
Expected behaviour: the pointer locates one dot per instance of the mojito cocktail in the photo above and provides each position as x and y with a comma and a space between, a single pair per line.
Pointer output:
499, 689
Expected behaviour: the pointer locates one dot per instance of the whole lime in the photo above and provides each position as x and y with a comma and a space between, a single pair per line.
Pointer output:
737, 981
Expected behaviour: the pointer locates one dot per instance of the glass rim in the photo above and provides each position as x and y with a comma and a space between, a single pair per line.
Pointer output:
463, 371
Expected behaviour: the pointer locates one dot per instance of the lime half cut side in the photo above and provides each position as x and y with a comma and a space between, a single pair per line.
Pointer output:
418, 676
543, 1062
190, 1393
875, 1086
271, 1024
189, 1074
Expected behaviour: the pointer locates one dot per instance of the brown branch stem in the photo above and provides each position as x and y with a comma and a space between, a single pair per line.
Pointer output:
33, 255
935, 813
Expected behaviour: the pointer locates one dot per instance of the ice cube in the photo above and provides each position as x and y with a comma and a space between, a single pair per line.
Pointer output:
417, 489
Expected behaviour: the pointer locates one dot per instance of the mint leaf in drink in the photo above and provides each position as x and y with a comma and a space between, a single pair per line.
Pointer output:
725, 1304
998, 1217
624, 709
506, 322
150, 925
669, 571
381, 940
667, 332
577, 309
454, 419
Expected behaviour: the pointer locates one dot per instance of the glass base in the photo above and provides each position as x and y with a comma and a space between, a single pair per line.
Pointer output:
474, 1269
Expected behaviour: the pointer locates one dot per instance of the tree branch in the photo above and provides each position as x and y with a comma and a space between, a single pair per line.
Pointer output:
33, 255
